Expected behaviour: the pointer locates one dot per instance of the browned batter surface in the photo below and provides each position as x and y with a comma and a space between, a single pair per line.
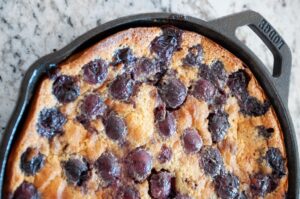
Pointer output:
196, 86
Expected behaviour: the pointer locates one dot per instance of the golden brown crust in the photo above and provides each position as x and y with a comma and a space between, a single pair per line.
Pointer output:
240, 149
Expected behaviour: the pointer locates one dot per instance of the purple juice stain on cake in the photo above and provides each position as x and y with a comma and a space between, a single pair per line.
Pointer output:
167, 127
26, 190
211, 161
219, 100
204, 90
227, 186
253, 107
191, 140
218, 125
218, 75
173, 92
215, 73
262, 184
127, 192
115, 127
50, 122
65, 89
205, 72
160, 185
146, 70
166, 44
95, 72
31, 161
249, 105
265, 132
92, 106
108, 168
165, 154
275, 161
194, 56
76, 171
238, 83
139, 164
124, 56
122, 87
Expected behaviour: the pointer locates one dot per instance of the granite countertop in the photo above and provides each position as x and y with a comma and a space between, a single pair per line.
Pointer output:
31, 29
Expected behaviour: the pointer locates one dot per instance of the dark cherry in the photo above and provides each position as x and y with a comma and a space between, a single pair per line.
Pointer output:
115, 127
93, 106
122, 87
265, 132
76, 171
218, 74
274, 182
249, 105
218, 125
160, 185
167, 43
160, 112
205, 72
108, 168
26, 190
84, 120
182, 196
194, 56
165, 154
127, 192
95, 72
50, 122
238, 82
123, 55
192, 141
167, 127
173, 92
227, 186
275, 160
65, 89
204, 90
219, 100
252, 107
260, 184
211, 161
146, 70
31, 161
139, 164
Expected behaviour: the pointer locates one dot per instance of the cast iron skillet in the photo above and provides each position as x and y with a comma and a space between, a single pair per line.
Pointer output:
222, 31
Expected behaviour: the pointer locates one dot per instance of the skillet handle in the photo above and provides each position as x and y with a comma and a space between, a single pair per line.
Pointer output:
281, 52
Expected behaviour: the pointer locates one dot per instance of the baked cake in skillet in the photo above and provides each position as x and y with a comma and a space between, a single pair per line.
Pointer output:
149, 113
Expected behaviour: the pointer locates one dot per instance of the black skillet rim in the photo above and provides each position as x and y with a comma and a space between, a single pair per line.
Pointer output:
216, 30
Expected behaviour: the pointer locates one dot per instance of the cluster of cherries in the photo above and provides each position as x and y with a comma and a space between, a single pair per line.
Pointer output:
172, 94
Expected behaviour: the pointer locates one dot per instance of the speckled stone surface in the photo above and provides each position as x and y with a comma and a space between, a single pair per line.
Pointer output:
31, 29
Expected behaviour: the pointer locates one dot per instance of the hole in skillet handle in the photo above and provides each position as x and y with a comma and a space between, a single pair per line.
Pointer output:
252, 41
270, 37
